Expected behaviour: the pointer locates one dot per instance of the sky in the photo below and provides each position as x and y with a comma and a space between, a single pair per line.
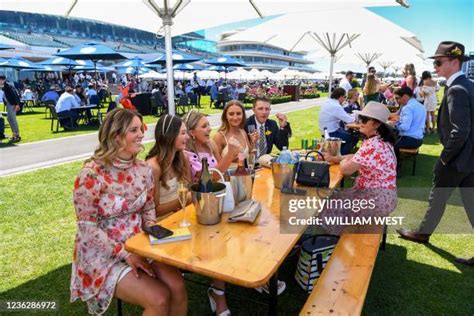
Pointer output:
432, 21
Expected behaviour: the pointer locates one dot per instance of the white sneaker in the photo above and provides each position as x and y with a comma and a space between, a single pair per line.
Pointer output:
281, 288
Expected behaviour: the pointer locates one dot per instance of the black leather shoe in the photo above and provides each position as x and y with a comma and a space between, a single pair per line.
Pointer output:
413, 235
466, 261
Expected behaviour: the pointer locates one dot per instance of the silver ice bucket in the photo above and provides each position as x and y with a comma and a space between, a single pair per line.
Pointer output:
283, 175
242, 186
332, 146
209, 206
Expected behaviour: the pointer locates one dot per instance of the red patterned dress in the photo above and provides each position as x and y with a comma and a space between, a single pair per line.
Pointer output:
376, 182
112, 203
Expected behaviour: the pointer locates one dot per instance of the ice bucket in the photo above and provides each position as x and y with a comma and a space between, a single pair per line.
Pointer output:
283, 175
332, 146
242, 186
209, 206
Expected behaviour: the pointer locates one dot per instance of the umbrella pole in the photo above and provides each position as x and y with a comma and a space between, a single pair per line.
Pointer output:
167, 22
331, 66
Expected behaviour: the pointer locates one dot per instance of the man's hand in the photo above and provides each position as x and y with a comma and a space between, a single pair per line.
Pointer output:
282, 119
17, 108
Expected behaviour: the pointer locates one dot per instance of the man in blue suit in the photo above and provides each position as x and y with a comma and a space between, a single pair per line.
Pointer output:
270, 133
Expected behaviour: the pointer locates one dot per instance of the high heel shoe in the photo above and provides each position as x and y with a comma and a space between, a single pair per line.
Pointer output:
213, 303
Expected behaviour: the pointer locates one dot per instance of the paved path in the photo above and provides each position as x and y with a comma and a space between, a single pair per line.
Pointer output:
31, 156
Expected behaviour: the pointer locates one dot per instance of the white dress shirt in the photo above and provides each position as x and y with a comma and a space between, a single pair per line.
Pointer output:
345, 84
66, 102
331, 114
453, 77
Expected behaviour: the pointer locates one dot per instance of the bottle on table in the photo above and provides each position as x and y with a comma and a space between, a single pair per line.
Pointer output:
241, 170
205, 181
285, 156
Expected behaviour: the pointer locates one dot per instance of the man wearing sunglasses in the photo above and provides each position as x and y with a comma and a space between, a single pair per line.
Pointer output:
411, 125
455, 167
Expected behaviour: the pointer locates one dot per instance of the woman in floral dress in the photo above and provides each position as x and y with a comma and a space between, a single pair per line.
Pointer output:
113, 198
375, 163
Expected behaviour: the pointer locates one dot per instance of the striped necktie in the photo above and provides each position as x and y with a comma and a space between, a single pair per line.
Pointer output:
262, 142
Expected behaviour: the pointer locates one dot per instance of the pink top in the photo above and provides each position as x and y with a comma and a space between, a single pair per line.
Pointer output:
112, 203
378, 165
196, 165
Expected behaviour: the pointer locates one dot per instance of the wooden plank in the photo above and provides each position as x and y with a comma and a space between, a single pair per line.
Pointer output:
239, 253
343, 285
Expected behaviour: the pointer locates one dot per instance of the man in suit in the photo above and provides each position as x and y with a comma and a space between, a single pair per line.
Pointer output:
269, 132
455, 167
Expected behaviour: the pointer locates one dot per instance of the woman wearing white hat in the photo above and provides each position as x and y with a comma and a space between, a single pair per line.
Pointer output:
376, 164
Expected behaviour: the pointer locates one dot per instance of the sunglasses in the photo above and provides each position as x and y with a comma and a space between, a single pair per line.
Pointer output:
439, 62
363, 119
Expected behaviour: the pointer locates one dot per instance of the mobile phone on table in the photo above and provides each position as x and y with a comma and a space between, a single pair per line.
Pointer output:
293, 191
158, 231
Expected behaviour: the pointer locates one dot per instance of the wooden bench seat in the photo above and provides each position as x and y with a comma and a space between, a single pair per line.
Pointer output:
343, 285
410, 152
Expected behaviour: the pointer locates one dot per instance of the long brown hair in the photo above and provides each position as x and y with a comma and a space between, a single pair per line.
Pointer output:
115, 124
225, 126
370, 85
164, 150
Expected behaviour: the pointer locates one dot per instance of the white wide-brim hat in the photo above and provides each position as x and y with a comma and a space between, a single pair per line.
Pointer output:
375, 110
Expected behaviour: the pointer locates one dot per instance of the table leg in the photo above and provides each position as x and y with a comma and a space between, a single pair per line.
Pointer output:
273, 290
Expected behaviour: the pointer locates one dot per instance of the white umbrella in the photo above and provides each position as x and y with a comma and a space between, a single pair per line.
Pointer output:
330, 29
185, 15
152, 75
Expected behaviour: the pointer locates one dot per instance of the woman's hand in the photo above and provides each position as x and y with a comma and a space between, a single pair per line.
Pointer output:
330, 158
234, 146
136, 262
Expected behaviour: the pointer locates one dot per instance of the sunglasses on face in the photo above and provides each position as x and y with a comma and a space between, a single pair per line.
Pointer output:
439, 62
363, 119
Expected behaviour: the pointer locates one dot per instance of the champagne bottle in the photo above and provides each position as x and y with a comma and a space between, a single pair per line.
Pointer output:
241, 171
205, 181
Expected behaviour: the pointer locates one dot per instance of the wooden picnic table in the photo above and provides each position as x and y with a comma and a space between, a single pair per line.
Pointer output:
243, 254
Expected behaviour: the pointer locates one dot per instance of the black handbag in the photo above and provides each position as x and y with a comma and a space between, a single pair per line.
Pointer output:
313, 173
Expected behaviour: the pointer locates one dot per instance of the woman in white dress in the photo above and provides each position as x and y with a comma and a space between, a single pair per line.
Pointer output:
428, 89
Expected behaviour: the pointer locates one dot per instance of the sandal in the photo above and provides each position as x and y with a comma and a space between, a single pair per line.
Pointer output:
213, 303
281, 288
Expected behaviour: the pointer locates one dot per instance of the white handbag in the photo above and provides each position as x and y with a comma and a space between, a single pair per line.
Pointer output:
229, 202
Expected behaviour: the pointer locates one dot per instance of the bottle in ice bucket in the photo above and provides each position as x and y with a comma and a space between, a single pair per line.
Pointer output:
285, 156
205, 181
241, 170
314, 144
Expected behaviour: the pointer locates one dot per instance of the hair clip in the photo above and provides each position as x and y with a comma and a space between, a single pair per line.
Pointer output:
169, 124
164, 123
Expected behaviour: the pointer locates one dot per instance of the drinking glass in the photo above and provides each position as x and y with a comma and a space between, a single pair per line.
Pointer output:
182, 197
251, 161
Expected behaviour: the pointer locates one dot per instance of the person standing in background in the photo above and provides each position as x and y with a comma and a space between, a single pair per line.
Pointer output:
12, 101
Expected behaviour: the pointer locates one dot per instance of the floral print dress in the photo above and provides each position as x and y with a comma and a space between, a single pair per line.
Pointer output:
112, 203
376, 181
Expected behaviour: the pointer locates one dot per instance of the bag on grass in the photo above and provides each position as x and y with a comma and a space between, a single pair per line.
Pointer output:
314, 255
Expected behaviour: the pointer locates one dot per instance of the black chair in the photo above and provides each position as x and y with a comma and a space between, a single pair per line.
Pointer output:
58, 118
183, 103
193, 99
156, 108
46, 108
241, 97
222, 98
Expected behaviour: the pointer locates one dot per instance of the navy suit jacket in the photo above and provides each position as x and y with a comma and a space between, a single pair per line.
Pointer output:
456, 125
274, 135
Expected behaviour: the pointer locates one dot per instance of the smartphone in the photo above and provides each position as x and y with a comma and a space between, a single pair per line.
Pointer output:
293, 191
158, 231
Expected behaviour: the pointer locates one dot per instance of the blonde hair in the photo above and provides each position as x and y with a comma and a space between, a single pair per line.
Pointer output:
225, 126
115, 124
351, 93
191, 120
370, 85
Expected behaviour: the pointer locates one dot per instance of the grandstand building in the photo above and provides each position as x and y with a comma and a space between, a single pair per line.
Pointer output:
262, 56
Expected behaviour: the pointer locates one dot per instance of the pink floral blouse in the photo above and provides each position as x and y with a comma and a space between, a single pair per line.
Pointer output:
112, 203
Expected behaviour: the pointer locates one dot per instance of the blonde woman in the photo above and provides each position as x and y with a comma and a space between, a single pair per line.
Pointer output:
428, 89
232, 130
113, 198
371, 90
168, 162
200, 145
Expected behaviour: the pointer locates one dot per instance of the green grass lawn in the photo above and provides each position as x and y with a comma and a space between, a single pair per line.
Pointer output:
38, 226
35, 127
